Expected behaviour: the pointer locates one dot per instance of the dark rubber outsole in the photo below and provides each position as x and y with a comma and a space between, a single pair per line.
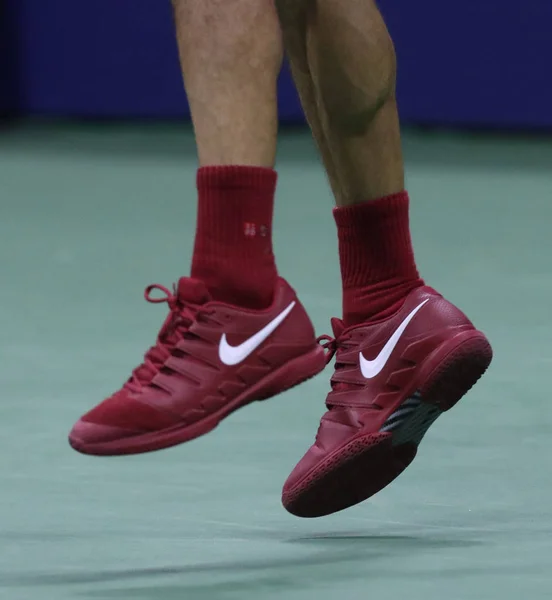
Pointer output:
369, 462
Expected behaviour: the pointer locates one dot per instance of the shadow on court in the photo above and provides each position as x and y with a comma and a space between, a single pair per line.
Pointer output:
335, 557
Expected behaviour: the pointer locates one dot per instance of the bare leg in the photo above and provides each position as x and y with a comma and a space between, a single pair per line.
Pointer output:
351, 68
231, 53
296, 38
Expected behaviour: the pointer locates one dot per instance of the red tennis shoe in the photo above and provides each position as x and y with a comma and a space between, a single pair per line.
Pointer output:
209, 360
392, 380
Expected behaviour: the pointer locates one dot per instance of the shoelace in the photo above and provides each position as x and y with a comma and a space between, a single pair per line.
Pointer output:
329, 344
177, 324
332, 345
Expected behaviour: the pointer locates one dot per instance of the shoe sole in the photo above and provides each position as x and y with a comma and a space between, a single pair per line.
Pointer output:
291, 374
370, 462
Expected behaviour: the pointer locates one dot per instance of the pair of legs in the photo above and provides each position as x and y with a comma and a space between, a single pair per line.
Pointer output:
236, 332
343, 63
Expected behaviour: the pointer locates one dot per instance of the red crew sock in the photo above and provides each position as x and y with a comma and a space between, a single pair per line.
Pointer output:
233, 244
376, 257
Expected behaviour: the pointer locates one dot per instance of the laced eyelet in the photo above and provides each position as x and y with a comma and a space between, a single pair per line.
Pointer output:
176, 326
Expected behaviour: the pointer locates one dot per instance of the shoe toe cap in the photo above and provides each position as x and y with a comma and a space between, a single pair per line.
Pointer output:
88, 437
110, 427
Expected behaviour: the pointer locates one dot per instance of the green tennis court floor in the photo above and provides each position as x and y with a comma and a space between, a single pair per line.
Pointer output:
91, 214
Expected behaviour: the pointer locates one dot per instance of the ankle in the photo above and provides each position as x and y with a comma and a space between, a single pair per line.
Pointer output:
233, 246
376, 257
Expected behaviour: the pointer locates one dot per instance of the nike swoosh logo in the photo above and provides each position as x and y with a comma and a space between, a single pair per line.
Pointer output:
233, 355
371, 368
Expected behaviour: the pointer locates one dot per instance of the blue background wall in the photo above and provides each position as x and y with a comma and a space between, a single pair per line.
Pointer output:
469, 63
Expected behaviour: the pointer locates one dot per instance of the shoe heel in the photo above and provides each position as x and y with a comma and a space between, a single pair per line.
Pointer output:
460, 368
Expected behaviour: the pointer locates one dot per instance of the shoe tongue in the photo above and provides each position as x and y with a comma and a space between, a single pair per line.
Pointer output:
338, 327
192, 291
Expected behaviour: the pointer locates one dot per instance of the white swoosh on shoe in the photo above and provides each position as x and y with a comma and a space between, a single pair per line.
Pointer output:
371, 368
233, 355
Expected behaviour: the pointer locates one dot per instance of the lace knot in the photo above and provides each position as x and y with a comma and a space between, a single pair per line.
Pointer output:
169, 297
